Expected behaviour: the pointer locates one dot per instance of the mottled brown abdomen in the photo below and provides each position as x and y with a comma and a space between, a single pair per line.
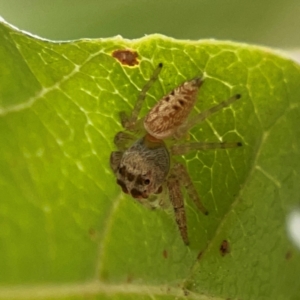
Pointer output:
172, 110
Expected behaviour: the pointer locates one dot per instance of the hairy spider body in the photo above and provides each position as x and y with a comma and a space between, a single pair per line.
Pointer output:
172, 110
143, 168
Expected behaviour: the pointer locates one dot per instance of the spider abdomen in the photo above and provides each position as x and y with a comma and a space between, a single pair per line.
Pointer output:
172, 110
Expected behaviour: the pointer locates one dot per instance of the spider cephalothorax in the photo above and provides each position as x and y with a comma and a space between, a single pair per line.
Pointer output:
143, 167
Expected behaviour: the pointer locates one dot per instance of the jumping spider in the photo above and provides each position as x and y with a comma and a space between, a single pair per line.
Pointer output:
143, 166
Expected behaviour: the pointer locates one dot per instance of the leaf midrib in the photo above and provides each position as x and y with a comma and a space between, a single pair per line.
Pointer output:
94, 288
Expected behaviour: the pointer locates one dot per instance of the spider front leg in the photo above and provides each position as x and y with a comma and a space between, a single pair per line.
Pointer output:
114, 161
177, 176
123, 140
129, 122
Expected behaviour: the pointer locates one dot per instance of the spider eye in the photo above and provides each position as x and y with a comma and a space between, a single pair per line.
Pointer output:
146, 181
136, 193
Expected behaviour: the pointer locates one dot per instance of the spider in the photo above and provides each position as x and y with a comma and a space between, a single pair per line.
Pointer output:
143, 166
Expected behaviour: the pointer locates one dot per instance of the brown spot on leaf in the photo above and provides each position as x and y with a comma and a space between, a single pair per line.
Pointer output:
165, 253
92, 232
224, 248
126, 57
288, 255
129, 278
199, 255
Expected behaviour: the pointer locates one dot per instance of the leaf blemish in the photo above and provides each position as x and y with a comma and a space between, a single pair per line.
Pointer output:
224, 248
165, 253
126, 57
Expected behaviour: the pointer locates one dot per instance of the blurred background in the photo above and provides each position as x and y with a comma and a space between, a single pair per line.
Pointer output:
272, 23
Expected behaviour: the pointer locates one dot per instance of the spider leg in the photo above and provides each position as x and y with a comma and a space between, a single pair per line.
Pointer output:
182, 130
182, 149
129, 122
182, 173
179, 174
176, 199
123, 139
115, 158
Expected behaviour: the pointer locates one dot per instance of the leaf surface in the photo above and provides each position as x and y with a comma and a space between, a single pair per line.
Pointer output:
67, 230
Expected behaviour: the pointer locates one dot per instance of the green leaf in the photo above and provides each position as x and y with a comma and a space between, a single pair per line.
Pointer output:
67, 231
